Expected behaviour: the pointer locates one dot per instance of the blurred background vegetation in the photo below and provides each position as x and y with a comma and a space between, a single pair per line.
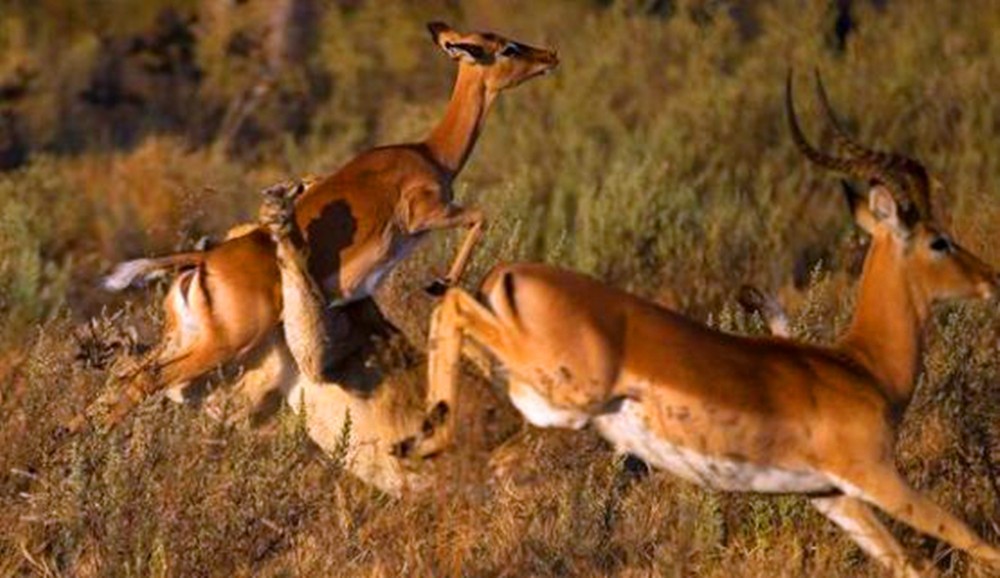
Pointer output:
656, 158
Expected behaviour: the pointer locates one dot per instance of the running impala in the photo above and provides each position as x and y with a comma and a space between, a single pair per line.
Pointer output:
737, 413
359, 222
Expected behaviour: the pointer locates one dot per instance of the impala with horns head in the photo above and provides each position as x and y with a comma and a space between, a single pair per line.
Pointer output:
359, 223
737, 413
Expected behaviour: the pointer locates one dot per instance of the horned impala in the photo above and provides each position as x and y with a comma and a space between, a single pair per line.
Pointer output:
738, 413
358, 222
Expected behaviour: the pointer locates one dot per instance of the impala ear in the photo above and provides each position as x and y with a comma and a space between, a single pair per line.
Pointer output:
883, 208
437, 30
455, 44
858, 203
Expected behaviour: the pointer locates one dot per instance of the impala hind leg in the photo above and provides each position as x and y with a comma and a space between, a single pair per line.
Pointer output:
458, 316
210, 321
860, 523
185, 352
886, 489
265, 378
164, 372
130, 388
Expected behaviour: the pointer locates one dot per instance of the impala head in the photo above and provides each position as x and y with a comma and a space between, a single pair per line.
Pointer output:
897, 211
505, 63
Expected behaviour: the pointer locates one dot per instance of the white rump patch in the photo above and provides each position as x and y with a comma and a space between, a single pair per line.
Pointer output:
536, 408
627, 430
179, 303
125, 274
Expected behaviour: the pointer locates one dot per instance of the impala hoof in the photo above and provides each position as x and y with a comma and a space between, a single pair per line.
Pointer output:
435, 419
438, 287
61, 433
634, 467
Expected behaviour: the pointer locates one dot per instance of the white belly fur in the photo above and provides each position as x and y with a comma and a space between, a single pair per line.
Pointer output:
627, 430
378, 267
536, 408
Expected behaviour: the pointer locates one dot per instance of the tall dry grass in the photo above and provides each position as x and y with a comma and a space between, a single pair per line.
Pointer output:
656, 159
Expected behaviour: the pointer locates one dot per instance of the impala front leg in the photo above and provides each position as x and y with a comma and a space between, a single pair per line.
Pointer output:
459, 217
457, 319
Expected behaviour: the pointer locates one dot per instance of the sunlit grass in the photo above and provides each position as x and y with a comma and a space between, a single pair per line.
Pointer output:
656, 158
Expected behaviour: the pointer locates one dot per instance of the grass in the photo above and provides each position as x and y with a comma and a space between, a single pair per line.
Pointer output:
656, 158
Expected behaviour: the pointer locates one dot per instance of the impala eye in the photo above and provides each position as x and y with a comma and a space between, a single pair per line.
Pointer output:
941, 245
511, 50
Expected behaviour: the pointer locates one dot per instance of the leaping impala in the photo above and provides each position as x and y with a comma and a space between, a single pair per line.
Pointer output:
739, 413
358, 222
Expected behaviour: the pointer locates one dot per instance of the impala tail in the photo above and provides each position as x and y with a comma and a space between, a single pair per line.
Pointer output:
128, 273
753, 300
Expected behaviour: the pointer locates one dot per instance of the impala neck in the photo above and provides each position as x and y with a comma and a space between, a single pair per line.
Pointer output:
451, 142
886, 333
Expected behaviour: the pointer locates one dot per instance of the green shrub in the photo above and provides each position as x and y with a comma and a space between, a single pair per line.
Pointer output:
39, 224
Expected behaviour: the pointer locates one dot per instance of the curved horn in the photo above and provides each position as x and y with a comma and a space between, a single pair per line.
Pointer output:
843, 140
905, 177
812, 153
908, 174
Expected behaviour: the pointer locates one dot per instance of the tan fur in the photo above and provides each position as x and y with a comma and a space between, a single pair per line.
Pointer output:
389, 414
378, 424
240, 230
358, 222
329, 369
